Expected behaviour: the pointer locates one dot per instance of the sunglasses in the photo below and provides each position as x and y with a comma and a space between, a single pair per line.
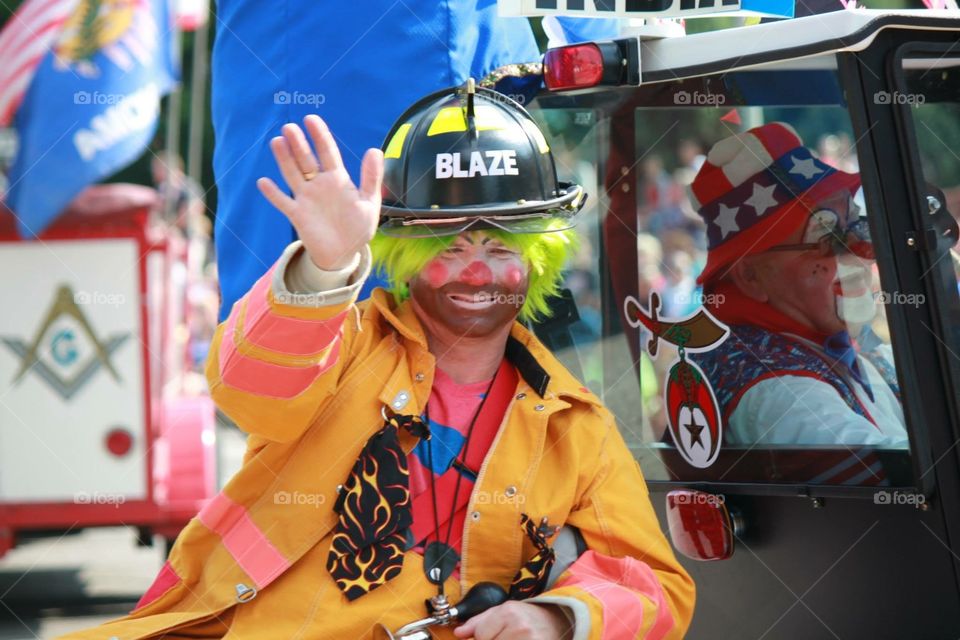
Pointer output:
835, 238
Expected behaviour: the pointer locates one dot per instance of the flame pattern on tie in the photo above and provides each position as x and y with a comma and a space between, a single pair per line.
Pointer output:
374, 512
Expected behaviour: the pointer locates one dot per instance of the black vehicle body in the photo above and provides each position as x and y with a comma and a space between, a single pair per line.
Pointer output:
874, 559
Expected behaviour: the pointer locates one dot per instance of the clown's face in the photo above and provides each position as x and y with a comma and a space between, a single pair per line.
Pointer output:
475, 288
825, 292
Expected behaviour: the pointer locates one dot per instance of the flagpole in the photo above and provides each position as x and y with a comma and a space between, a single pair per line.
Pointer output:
172, 142
198, 94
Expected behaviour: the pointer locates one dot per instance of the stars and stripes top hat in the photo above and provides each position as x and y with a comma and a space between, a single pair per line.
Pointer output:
757, 188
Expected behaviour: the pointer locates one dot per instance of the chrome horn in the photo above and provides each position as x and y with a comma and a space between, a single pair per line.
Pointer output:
479, 598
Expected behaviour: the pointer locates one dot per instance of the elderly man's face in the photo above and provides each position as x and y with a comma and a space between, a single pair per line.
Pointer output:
471, 289
822, 292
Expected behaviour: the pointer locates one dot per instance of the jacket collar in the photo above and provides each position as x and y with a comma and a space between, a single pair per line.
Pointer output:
536, 365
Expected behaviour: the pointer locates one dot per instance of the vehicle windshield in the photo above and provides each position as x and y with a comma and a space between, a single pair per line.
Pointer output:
731, 314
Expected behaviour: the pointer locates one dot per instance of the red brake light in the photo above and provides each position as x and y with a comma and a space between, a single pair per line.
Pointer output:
574, 67
700, 525
119, 442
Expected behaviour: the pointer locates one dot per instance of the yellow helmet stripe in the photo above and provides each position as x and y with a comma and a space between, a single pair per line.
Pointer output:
452, 120
395, 146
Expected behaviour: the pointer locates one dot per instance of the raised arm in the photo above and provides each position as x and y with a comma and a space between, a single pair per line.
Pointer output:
282, 348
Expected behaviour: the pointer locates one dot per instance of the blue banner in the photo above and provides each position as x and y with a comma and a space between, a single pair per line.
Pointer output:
358, 65
92, 107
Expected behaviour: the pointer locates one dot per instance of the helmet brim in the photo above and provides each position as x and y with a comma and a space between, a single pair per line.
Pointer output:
571, 197
538, 222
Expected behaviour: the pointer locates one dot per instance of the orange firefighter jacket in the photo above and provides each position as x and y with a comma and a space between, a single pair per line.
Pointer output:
310, 385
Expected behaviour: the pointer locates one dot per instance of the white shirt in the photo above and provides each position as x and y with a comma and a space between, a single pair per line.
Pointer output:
799, 410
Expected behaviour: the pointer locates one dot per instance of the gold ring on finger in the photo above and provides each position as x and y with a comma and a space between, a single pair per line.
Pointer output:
310, 175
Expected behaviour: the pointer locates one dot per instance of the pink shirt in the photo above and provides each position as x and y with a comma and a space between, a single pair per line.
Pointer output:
451, 410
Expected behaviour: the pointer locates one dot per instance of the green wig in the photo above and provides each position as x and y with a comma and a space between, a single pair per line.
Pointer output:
401, 259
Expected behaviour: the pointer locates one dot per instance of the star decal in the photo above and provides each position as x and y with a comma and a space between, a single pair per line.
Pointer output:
695, 431
64, 304
807, 168
727, 220
762, 198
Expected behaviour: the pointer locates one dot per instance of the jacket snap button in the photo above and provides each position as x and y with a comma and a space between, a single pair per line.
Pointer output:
475, 516
539, 407
521, 396
400, 400
419, 377
510, 491
245, 593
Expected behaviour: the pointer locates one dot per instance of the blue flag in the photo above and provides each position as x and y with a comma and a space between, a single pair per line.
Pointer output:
92, 107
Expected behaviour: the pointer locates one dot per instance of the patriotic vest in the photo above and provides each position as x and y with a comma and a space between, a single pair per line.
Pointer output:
751, 354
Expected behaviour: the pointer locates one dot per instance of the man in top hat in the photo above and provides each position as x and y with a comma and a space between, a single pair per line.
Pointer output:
409, 448
789, 270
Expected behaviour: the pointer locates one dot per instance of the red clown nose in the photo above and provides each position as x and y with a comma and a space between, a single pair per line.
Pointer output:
476, 274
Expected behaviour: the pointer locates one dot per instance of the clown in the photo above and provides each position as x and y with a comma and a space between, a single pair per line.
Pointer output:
404, 449
790, 270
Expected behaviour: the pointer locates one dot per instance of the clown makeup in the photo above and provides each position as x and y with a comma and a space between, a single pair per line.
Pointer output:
815, 277
853, 286
472, 289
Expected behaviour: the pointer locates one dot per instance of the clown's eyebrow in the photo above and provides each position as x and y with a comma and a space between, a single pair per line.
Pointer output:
497, 242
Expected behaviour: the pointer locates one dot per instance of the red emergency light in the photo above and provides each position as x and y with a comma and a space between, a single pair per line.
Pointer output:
580, 66
701, 527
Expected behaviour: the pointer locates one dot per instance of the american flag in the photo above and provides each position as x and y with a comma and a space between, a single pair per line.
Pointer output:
24, 42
